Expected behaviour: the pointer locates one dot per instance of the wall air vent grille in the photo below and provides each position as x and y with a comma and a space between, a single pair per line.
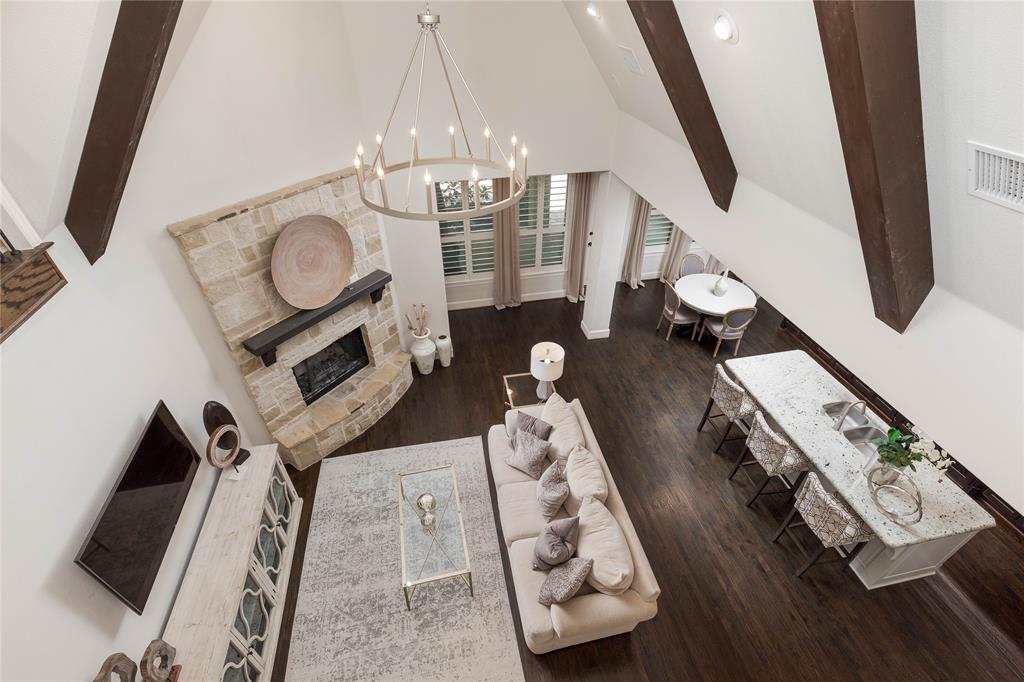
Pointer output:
995, 175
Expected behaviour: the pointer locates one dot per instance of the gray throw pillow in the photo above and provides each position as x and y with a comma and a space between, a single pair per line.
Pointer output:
530, 454
556, 543
552, 489
531, 424
564, 581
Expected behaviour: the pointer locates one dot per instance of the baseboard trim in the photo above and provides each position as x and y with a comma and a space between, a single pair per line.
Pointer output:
592, 334
485, 302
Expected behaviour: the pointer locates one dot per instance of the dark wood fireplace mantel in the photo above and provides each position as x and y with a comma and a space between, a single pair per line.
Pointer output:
266, 342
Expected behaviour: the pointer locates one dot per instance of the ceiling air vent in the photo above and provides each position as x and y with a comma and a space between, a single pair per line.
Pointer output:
630, 59
995, 175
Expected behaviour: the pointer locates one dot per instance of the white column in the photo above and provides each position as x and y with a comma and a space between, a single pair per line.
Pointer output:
609, 218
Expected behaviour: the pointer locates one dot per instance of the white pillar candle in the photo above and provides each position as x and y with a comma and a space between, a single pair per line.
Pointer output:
383, 186
476, 187
427, 181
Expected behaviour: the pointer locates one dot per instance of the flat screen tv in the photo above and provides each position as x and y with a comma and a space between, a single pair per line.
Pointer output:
128, 541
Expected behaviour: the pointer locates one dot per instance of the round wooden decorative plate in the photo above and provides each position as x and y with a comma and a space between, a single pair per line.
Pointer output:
312, 261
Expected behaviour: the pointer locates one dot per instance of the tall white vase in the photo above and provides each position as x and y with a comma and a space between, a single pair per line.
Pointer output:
444, 350
422, 350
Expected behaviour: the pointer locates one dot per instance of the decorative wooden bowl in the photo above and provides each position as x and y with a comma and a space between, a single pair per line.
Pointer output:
312, 261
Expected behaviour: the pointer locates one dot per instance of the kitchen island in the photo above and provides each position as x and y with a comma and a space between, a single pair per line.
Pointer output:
792, 389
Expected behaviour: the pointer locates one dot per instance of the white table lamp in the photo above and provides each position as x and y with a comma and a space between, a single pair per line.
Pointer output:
547, 360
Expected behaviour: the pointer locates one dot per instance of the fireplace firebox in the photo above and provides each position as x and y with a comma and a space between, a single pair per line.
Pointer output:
319, 373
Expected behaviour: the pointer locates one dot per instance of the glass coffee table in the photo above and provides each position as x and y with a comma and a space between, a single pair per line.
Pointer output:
432, 537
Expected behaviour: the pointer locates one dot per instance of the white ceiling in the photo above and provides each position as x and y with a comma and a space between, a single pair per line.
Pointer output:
641, 96
770, 93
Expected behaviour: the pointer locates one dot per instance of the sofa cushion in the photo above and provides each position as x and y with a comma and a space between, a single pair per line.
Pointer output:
585, 476
535, 425
552, 489
602, 540
520, 512
529, 454
564, 581
556, 543
591, 616
498, 448
565, 427
534, 617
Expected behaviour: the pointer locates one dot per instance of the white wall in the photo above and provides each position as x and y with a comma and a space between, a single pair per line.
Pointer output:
955, 368
790, 230
67, 45
972, 88
262, 99
612, 202
527, 67
529, 71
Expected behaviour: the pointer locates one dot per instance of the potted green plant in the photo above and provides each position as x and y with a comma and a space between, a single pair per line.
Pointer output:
894, 449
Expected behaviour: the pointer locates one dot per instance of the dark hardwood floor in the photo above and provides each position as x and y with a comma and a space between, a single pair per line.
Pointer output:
730, 607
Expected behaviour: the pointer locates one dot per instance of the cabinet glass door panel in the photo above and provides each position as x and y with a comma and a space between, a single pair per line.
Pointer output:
253, 617
280, 499
269, 548
238, 667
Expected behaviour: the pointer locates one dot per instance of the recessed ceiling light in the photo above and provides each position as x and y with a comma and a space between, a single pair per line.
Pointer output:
593, 11
725, 27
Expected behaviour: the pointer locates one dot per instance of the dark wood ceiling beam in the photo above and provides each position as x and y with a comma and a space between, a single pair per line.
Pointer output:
870, 49
141, 37
663, 33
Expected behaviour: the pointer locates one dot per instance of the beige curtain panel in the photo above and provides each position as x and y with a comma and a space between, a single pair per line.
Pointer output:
633, 263
672, 261
579, 213
506, 250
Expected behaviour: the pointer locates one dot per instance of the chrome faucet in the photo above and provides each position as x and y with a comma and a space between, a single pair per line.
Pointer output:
846, 410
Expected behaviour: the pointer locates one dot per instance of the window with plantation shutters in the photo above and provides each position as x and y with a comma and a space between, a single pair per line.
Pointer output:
467, 246
542, 222
659, 229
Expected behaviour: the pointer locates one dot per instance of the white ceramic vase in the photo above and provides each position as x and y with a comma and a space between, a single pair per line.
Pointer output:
423, 350
721, 286
444, 350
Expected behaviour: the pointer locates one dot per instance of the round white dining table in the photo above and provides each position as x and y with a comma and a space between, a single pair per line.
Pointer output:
696, 292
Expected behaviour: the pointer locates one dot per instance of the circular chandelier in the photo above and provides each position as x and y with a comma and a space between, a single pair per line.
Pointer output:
378, 169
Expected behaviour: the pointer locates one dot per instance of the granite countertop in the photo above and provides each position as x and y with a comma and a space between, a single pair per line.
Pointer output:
792, 388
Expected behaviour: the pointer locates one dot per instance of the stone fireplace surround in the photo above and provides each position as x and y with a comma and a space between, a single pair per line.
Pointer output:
228, 252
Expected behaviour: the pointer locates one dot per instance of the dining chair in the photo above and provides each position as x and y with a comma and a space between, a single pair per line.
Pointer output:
736, 405
730, 327
676, 313
830, 518
775, 454
692, 265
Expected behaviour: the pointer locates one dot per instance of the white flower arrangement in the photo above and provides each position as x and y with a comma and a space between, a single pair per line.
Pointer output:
939, 458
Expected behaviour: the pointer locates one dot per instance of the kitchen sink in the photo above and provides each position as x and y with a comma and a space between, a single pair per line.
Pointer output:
854, 418
861, 436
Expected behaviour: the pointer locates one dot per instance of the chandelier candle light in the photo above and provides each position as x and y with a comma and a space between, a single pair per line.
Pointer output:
378, 170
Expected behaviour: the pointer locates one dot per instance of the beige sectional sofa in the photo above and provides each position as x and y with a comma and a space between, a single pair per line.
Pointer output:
589, 615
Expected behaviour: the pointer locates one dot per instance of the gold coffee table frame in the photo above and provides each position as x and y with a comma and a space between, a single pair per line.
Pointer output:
410, 583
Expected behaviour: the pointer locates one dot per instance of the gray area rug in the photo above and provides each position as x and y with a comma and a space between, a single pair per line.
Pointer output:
351, 622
